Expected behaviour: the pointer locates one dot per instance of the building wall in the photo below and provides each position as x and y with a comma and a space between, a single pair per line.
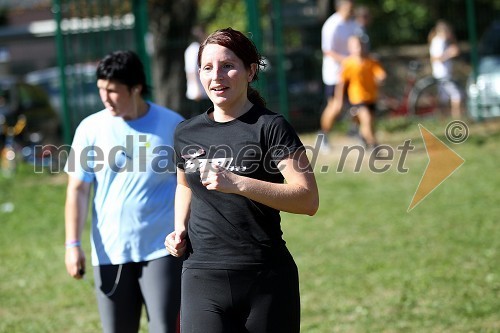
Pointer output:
27, 54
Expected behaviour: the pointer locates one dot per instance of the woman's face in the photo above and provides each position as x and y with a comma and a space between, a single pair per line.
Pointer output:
117, 98
224, 76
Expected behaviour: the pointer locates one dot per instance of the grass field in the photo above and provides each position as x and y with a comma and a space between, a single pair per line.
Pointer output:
366, 264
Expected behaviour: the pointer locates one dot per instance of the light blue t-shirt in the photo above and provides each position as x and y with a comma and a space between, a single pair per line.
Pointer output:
131, 166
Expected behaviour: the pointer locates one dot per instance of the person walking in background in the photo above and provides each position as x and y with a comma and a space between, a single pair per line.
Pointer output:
122, 153
363, 75
334, 35
195, 93
239, 164
443, 49
363, 18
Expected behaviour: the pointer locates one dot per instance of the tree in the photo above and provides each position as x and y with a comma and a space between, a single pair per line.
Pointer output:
4, 16
170, 23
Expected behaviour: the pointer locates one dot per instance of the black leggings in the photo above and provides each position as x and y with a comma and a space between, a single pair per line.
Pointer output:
234, 301
122, 289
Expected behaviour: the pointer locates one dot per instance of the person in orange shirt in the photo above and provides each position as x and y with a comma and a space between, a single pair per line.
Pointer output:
362, 75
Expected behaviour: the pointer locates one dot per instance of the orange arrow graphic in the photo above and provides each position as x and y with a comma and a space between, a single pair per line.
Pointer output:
443, 162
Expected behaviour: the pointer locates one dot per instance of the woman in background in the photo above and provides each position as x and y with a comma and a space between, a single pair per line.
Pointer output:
443, 49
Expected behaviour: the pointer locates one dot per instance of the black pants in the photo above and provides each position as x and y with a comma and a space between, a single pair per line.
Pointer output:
123, 289
234, 301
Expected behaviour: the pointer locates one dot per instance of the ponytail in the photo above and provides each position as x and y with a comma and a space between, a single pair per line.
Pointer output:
254, 97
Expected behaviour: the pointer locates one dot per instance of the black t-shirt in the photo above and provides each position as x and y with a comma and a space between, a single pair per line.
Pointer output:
229, 231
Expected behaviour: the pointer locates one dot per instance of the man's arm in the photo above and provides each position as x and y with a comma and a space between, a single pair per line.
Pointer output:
452, 51
338, 57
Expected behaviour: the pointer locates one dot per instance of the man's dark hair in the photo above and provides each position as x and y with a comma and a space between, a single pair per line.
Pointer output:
124, 67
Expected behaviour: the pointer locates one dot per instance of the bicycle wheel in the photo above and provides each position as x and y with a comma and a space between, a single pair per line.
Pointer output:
428, 99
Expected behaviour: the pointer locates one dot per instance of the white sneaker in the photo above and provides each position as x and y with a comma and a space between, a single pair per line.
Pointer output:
325, 147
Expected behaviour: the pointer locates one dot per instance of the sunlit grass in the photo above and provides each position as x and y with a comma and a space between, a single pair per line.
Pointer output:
366, 264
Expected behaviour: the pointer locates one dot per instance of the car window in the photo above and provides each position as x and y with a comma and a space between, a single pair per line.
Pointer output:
31, 97
490, 41
489, 64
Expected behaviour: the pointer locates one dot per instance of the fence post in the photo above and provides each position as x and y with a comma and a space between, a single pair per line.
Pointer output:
256, 36
280, 58
471, 25
61, 60
140, 32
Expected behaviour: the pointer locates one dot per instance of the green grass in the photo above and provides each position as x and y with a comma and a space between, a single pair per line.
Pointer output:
366, 264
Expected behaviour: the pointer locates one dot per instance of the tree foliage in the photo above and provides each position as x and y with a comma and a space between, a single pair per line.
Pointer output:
218, 14
397, 22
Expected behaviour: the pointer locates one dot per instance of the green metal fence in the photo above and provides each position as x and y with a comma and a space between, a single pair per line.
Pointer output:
287, 32
86, 30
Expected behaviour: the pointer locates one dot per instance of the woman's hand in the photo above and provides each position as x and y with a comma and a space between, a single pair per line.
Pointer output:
75, 262
219, 179
176, 243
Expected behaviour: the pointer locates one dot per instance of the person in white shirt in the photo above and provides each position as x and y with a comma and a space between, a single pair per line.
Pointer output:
334, 35
195, 93
443, 49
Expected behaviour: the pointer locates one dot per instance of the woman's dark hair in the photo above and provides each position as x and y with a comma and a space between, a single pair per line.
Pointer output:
124, 67
244, 49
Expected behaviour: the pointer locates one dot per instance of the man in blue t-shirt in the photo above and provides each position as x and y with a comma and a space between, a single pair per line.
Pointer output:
125, 152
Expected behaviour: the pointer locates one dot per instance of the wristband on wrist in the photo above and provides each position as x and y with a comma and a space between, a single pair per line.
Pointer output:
71, 244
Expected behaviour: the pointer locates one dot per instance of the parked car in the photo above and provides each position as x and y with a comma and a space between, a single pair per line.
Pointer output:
483, 93
18, 98
81, 90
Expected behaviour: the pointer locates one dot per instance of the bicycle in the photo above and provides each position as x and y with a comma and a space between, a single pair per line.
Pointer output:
431, 97
422, 97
